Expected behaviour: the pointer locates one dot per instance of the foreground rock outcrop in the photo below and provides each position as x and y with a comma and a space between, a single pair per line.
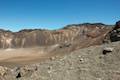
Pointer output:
114, 34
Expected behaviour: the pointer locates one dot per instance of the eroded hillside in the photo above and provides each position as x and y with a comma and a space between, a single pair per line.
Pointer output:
82, 35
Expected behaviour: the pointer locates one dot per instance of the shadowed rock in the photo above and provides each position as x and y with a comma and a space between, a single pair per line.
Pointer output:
114, 34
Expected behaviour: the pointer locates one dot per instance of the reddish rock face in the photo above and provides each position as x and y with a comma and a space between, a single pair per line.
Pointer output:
82, 35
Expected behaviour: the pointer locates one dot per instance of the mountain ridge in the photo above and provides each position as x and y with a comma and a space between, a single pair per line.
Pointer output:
69, 25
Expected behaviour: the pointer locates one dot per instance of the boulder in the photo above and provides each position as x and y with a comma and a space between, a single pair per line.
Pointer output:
117, 25
114, 34
3, 71
107, 50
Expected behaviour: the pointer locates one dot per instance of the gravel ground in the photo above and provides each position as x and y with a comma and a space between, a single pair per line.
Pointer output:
83, 64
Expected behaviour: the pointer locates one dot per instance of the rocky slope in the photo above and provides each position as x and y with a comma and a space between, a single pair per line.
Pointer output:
82, 34
83, 64
57, 55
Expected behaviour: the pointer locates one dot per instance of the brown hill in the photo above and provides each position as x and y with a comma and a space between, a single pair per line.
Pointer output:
82, 35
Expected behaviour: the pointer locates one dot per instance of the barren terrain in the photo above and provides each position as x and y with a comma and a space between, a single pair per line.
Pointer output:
76, 52
82, 64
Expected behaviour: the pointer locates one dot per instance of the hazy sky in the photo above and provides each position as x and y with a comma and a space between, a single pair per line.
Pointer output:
54, 14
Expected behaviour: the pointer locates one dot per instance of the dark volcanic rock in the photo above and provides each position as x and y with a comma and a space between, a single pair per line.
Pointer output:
82, 35
117, 26
114, 34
